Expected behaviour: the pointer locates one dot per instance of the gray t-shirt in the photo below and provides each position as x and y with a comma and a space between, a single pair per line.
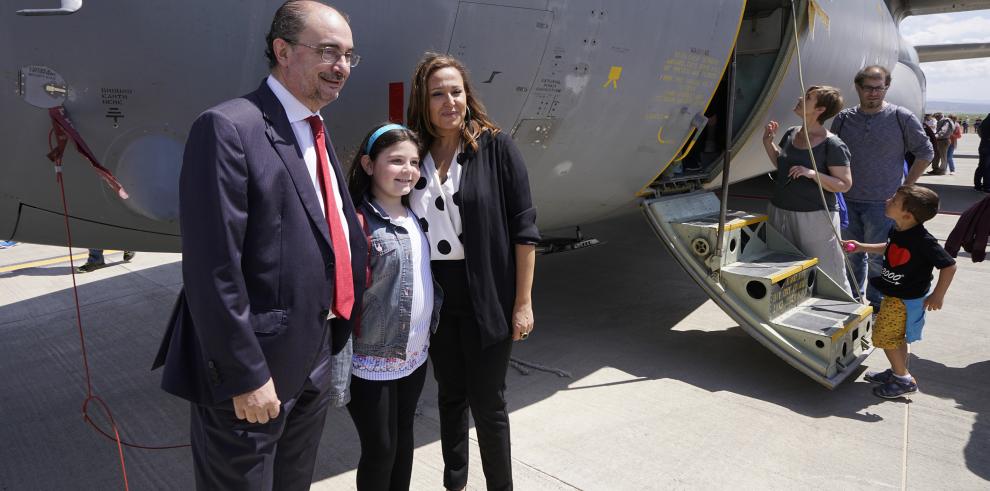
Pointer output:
801, 194
878, 143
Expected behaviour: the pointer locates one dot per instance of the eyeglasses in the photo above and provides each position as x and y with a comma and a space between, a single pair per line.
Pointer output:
331, 54
873, 88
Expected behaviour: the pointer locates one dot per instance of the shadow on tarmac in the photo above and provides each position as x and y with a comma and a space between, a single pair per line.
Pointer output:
967, 386
624, 305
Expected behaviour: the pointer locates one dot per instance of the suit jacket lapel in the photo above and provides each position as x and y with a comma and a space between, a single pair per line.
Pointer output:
280, 134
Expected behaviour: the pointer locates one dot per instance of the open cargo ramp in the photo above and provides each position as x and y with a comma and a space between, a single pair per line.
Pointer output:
775, 293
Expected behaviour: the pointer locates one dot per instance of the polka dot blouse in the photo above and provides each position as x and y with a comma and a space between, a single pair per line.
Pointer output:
438, 207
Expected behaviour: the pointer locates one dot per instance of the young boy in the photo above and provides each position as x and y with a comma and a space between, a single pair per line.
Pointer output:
908, 259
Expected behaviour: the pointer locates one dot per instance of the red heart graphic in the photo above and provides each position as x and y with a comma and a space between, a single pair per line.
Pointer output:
897, 256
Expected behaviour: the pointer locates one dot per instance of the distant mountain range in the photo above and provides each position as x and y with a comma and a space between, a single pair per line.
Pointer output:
972, 107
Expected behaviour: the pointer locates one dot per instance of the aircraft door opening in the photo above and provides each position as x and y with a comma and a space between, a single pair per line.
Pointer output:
502, 66
761, 60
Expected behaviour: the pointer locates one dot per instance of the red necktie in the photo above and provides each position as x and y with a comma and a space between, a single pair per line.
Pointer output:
343, 281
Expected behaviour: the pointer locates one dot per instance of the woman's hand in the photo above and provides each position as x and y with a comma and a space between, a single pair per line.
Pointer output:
522, 320
770, 132
800, 171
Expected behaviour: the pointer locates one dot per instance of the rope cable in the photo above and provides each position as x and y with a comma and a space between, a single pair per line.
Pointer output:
811, 155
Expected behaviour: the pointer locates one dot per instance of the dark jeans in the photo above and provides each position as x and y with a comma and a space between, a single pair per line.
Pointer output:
229, 453
383, 413
469, 377
95, 256
981, 178
949, 156
868, 224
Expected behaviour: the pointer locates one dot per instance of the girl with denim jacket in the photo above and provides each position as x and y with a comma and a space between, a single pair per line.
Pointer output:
399, 312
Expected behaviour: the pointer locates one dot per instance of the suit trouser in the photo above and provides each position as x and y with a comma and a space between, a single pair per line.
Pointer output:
469, 377
384, 413
229, 453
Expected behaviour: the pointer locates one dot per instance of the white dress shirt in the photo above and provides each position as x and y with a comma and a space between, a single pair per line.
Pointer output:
297, 114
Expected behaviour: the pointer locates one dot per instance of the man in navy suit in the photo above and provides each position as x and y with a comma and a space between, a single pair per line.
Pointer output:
273, 265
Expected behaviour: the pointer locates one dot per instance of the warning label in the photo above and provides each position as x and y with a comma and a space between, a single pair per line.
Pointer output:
114, 97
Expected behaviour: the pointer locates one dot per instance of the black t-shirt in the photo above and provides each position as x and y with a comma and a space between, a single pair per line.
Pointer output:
908, 262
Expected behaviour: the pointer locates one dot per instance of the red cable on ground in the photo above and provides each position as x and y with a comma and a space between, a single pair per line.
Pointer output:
82, 338
56, 153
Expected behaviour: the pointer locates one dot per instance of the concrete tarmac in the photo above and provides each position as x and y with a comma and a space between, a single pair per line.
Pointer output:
663, 390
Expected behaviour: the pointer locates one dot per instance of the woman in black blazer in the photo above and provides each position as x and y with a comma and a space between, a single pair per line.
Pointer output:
474, 204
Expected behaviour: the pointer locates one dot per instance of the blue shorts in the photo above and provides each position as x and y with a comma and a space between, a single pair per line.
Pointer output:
899, 321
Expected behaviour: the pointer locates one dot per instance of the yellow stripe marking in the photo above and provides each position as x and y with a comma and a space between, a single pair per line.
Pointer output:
744, 222
866, 311
793, 270
47, 262
731, 223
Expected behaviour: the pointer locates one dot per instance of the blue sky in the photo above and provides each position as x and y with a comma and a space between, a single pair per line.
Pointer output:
959, 80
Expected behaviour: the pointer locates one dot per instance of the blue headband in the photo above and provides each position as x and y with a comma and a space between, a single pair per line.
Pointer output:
379, 132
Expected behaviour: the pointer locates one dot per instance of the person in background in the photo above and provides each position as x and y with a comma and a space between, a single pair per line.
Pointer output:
943, 133
474, 203
981, 178
957, 133
929, 128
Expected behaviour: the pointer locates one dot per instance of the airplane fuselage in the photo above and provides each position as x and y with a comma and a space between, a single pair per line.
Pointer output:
601, 97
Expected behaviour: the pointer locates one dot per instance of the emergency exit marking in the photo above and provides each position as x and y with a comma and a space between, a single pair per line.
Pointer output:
613, 77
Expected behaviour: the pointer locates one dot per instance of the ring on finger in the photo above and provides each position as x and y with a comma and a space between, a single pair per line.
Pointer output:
524, 335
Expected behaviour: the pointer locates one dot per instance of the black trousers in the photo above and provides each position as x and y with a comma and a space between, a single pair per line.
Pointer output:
229, 453
383, 413
469, 377
981, 178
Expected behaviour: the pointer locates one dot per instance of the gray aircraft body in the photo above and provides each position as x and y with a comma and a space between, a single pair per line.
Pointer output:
608, 101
